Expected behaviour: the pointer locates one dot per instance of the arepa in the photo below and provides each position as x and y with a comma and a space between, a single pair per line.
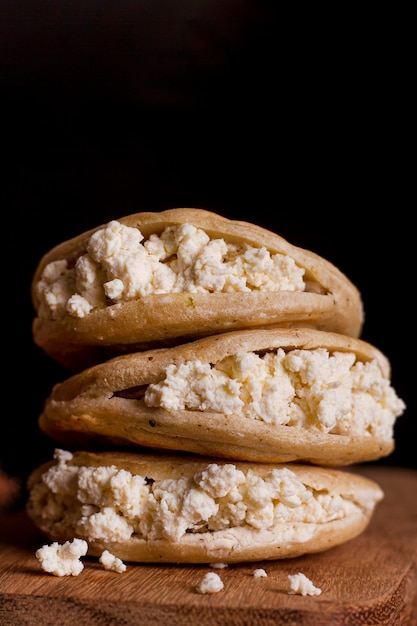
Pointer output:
179, 509
265, 395
160, 279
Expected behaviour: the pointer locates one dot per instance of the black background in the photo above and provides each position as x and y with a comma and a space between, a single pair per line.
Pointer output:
298, 122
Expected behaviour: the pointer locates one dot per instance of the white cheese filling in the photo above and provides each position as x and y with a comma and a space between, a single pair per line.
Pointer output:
109, 504
120, 265
313, 389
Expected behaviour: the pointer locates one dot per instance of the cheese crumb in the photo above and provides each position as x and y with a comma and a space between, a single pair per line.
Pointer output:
259, 573
111, 562
63, 559
211, 583
219, 565
301, 585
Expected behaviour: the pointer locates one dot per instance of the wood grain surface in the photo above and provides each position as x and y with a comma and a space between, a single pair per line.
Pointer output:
370, 580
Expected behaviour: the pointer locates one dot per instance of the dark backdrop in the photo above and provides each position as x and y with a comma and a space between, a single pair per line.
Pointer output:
298, 122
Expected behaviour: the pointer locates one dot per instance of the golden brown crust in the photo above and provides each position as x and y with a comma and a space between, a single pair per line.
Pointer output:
103, 406
235, 544
168, 319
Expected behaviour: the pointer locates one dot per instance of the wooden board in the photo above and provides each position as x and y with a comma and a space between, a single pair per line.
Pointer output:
369, 580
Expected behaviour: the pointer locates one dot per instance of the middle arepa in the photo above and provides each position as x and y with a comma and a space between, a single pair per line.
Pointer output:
153, 280
265, 395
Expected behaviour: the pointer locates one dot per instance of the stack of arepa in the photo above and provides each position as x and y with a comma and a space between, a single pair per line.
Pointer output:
217, 392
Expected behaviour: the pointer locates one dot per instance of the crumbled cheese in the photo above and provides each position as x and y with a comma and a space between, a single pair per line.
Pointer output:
120, 265
211, 583
300, 584
259, 573
63, 559
219, 565
314, 389
108, 504
111, 562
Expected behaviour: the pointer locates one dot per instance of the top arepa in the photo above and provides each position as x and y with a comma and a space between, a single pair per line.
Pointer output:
163, 278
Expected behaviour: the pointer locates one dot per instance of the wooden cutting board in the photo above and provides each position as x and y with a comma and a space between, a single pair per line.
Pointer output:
370, 580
